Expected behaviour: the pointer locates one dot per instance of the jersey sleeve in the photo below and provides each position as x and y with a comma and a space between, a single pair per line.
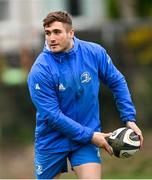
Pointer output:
112, 77
44, 97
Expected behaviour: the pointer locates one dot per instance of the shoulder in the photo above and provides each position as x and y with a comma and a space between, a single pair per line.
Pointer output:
40, 69
91, 47
92, 51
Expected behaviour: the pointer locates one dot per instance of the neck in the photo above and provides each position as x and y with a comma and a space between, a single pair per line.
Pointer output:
71, 45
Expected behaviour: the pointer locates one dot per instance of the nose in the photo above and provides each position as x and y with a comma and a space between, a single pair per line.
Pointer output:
52, 37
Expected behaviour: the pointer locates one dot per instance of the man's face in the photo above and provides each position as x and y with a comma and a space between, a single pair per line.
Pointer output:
59, 36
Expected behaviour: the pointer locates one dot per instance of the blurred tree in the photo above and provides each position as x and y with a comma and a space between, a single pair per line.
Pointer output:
74, 7
129, 8
112, 8
144, 8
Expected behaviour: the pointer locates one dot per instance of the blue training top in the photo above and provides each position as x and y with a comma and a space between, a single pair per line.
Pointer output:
64, 89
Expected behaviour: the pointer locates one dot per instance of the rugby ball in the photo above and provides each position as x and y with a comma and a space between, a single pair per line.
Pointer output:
124, 142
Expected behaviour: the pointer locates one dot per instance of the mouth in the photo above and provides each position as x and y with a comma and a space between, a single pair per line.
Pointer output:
53, 45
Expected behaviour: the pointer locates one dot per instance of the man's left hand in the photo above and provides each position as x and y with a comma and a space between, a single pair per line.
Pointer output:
136, 129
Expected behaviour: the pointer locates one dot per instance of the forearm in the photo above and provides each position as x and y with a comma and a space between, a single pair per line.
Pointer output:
70, 128
123, 100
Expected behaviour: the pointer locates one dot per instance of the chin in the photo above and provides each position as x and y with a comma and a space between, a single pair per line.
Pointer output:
56, 50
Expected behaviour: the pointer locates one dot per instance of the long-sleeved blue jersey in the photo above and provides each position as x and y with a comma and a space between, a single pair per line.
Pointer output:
64, 89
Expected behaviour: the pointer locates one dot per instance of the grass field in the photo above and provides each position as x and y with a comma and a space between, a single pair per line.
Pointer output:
18, 163
137, 167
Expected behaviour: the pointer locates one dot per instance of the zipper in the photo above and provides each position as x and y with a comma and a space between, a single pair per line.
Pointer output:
70, 68
76, 84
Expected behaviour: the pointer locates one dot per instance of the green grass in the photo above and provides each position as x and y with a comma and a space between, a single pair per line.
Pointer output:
17, 163
137, 167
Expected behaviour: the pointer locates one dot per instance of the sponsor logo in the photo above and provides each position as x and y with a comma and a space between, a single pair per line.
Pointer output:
61, 87
37, 86
109, 60
85, 77
114, 133
98, 153
125, 155
39, 169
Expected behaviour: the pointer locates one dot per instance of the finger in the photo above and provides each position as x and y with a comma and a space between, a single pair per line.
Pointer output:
107, 134
109, 149
110, 152
141, 140
136, 129
139, 133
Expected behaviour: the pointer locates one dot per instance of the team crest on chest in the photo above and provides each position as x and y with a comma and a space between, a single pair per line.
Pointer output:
85, 77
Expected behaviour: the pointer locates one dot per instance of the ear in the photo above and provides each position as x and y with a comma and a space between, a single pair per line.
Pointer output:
71, 33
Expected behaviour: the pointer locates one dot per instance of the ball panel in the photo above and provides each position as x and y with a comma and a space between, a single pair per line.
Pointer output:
125, 142
134, 136
129, 137
116, 133
128, 153
116, 153
129, 147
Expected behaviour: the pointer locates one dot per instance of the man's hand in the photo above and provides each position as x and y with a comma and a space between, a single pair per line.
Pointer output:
99, 139
135, 128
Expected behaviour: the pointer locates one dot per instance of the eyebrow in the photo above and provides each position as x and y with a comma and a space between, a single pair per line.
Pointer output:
46, 30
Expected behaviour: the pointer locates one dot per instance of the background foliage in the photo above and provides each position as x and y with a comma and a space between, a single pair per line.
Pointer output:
127, 38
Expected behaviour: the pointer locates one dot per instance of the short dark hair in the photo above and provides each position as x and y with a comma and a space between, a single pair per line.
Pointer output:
60, 16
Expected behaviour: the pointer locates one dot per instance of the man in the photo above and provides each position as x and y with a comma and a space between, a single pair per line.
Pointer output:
64, 85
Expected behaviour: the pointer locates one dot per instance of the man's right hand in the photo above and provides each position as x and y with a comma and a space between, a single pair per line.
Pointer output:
99, 139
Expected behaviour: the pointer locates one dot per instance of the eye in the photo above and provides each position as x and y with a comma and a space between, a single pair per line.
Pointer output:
57, 31
47, 33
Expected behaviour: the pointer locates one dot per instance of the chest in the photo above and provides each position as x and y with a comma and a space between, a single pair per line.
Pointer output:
75, 77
